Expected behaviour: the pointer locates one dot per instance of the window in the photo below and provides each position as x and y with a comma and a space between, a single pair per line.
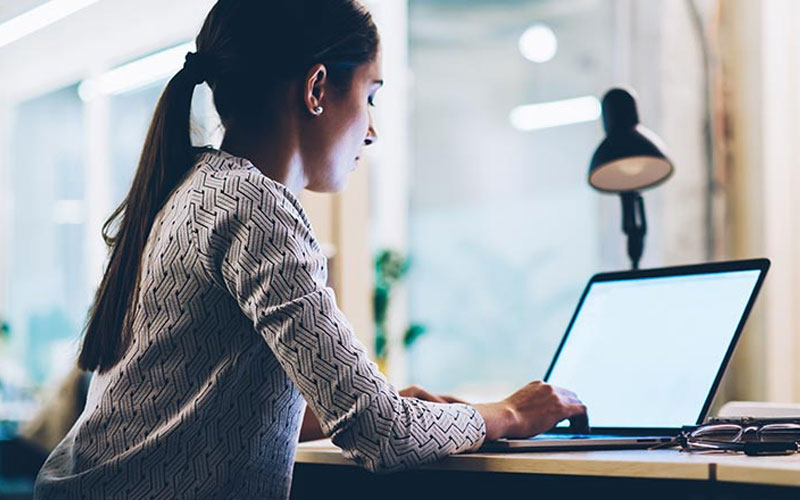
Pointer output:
45, 287
129, 118
51, 274
504, 230
65, 147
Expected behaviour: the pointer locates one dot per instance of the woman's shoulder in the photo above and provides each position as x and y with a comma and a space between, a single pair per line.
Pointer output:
239, 215
231, 185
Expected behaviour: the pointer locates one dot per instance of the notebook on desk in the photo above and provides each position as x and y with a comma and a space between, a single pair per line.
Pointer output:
646, 350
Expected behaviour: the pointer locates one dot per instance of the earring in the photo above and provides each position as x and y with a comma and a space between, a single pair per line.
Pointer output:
318, 110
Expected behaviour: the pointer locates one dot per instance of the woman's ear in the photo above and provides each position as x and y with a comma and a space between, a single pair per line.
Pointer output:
314, 90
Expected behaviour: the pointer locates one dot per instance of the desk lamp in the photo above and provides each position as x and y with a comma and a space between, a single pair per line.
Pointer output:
631, 158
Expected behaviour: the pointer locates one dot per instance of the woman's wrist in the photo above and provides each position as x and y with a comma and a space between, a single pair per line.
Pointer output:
500, 419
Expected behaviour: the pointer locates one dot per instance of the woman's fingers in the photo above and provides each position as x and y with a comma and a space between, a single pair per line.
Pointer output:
418, 392
427, 396
451, 399
579, 422
539, 406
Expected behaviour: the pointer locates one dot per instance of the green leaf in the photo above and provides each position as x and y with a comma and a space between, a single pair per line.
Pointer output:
380, 342
413, 332
380, 304
390, 268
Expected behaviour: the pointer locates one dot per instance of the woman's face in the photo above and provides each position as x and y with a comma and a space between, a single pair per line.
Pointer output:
334, 140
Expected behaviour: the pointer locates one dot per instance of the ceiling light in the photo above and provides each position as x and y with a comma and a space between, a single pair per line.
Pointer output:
538, 44
555, 113
38, 18
136, 74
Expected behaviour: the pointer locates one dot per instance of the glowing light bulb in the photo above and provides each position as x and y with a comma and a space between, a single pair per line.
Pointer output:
632, 168
538, 44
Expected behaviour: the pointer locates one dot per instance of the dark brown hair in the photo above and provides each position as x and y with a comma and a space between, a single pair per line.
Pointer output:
244, 50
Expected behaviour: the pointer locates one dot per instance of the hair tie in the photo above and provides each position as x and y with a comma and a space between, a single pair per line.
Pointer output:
198, 66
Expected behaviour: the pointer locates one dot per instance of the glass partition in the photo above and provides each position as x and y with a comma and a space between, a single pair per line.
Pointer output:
504, 228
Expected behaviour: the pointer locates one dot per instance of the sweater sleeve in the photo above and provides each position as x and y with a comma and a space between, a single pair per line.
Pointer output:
258, 244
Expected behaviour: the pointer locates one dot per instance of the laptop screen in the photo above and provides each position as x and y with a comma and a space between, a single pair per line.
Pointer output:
644, 352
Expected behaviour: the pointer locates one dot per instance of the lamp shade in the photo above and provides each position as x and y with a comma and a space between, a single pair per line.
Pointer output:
631, 157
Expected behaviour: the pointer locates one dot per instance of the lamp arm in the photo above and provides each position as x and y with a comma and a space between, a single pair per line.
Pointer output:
634, 225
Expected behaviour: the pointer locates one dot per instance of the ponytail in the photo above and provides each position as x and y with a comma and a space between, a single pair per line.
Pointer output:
166, 157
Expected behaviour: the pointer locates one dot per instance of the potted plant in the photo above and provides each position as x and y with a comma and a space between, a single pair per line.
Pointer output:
390, 269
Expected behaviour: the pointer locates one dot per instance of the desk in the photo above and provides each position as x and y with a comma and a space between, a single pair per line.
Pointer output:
321, 472
778, 471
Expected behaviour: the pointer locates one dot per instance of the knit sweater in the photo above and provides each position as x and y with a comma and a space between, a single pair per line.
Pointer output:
234, 332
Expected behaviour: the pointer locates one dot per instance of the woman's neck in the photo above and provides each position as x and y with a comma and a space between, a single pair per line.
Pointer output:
275, 152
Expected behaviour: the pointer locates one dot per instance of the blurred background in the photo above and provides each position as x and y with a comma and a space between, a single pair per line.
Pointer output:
462, 244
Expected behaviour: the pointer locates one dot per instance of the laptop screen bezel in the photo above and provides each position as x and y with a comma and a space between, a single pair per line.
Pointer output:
761, 265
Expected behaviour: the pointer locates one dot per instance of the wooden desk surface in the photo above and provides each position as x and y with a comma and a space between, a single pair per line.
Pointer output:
782, 470
653, 464
645, 464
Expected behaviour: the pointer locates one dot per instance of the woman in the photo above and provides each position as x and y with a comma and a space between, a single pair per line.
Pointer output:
212, 327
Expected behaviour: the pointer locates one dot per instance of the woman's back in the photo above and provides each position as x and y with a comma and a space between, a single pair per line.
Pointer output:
202, 405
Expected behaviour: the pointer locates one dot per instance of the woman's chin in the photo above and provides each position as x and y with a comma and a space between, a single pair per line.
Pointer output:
342, 184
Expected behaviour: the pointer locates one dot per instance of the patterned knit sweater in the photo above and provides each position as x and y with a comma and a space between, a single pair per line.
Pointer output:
234, 331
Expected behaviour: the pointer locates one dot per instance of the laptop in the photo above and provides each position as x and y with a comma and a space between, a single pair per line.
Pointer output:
645, 351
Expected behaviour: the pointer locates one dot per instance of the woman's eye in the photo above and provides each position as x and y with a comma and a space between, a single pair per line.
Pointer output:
371, 101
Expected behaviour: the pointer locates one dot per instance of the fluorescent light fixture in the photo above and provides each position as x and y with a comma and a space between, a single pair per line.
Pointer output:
556, 113
136, 74
38, 18
538, 44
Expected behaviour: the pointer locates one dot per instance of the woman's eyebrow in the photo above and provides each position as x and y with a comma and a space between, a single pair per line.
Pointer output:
378, 82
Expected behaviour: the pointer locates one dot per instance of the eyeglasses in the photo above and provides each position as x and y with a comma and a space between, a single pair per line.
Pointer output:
753, 438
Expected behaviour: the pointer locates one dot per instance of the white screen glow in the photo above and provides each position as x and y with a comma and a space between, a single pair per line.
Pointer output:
644, 353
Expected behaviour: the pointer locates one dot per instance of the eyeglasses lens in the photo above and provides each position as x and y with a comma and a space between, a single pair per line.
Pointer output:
723, 432
780, 432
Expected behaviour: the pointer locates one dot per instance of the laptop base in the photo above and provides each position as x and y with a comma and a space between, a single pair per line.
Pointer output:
566, 442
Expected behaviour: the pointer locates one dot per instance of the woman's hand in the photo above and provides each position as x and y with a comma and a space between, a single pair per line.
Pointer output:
418, 392
535, 408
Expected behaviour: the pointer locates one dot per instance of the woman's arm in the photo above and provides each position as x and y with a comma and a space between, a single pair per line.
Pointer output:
311, 428
533, 409
257, 244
